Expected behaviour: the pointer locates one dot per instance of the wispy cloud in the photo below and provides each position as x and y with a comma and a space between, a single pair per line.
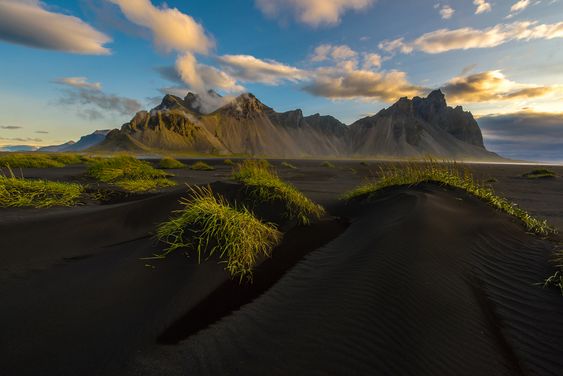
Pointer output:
482, 6
30, 24
248, 68
21, 139
444, 40
10, 127
311, 12
445, 10
92, 103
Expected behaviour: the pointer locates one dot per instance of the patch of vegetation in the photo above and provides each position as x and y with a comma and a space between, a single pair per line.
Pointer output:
556, 280
209, 225
364, 163
20, 192
228, 162
202, 166
40, 160
265, 186
128, 173
288, 165
491, 180
328, 164
170, 163
539, 174
449, 174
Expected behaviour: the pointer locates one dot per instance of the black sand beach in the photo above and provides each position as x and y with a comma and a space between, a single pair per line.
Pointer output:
421, 280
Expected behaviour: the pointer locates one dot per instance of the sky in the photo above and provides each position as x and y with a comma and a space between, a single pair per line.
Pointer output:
68, 68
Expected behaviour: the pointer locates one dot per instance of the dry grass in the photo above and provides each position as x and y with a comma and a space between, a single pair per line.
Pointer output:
170, 163
202, 166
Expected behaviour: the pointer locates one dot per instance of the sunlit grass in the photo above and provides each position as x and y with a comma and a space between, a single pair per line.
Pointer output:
128, 173
228, 162
170, 163
201, 166
20, 192
449, 174
288, 165
40, 160
209, 225
539, 174
328, 164
265, 185
556, 280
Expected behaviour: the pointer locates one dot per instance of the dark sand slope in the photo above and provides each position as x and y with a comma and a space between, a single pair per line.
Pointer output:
424, 282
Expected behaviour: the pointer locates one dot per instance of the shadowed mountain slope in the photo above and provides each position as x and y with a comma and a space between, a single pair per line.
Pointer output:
244, 125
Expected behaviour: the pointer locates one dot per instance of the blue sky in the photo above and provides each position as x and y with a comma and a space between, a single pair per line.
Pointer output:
70, 67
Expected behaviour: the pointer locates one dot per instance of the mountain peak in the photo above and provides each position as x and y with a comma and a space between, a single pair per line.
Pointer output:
245, 106
437, 98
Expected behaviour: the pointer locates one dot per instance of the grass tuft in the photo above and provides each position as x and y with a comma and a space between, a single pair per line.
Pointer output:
202, 166
539, 174
20, 192
288, 165
128, 173
170, 163
228, 162
40, 160
449, 174
209, 225
265, 185
328, 164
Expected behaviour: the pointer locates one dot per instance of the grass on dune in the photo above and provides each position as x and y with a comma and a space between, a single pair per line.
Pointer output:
169, 163
556, 280
449, 174
41, 160
228, 162
265, 185
128, 173
288, 165
201, 166
209, 225
20, 192
328, 164
539, 174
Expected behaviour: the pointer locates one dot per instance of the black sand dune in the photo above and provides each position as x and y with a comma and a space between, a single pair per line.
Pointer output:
424, 281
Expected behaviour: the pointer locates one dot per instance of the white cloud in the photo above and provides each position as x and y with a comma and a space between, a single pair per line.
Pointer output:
27, 22
519, 6
250, 69
79, 82
482, 6
312, 12
329, 51
372, 61
172, 30
201, 77
466, 38
446, 12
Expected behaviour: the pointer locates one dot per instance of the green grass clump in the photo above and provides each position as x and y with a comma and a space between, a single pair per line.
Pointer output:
267, 186
556, 280
328, 164
169, 163
202, 166
20, 192
448, 174
228, 162
209, 225
40, 160
128, 173
491, 180
288, 165
539, 174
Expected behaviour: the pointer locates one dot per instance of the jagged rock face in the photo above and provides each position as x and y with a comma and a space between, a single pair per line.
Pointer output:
417, 127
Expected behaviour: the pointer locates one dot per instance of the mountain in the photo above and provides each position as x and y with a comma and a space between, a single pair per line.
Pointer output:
84, 143
18, 148
409, 128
